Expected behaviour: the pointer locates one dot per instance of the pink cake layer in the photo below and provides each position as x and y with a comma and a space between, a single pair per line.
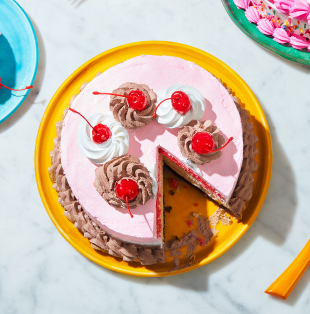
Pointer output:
158, 72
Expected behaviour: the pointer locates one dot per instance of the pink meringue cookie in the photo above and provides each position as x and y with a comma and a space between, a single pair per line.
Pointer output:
281, 36
300, 10
298, 42
242, 4
284, 6
252, 15
265, 26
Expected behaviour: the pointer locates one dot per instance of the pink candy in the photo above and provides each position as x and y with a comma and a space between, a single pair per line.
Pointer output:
281, 36
284, 5
242, 4
252, 15
265, 26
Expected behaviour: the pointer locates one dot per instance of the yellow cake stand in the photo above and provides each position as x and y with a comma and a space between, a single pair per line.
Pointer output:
183, 203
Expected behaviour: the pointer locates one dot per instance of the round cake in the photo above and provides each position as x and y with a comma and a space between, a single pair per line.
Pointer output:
88, 176
287, 21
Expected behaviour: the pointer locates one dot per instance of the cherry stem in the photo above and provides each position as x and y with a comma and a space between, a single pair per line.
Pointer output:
83, 118
154, 113
98, 93
17, 90
131, 216
213, 151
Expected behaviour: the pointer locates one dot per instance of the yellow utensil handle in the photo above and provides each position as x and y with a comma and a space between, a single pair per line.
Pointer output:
284, 285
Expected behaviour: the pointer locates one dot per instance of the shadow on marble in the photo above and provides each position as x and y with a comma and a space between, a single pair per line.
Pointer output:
30, 100
295, 65
277, 214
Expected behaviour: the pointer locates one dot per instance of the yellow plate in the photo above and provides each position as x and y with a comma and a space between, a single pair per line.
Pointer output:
228, 235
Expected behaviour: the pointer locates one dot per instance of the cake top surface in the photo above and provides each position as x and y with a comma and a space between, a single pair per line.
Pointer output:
158, 72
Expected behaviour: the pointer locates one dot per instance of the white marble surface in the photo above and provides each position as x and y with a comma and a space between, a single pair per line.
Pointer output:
41, 273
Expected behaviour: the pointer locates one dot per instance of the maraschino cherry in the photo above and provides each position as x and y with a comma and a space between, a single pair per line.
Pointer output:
100, 133
180, 103
203, 143
127, 190
136, 99
17, 90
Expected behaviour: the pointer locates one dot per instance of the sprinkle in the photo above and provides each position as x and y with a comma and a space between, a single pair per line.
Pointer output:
173, 183
298, 22
189, 222
301, 30
184, 186
196, 204
202, 242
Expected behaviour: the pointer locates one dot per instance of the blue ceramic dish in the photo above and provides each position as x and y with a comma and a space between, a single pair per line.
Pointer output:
19, 56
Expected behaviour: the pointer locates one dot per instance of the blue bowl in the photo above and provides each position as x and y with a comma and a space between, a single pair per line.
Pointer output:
19, 56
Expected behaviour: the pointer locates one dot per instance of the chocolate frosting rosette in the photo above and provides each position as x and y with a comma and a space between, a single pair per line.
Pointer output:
124, 167
185, 137
127, 116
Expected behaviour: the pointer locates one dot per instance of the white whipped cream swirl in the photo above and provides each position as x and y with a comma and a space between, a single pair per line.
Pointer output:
167, 116
117, 145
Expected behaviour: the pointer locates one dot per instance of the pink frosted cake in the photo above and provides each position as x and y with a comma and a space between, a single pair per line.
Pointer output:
103, 185
287, 21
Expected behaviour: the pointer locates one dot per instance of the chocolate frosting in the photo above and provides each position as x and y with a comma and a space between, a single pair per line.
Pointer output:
123, 167
244, 187
128, 117
185, 137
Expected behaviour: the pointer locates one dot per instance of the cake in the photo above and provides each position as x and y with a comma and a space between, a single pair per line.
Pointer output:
90, 178
287, 21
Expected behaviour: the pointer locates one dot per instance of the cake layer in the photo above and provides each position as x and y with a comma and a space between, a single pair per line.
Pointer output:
158, 72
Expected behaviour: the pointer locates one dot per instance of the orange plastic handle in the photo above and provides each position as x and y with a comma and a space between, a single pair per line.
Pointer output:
284, 285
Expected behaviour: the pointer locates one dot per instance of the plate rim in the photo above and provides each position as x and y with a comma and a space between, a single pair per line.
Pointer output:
21, 11
265, 41
40, 135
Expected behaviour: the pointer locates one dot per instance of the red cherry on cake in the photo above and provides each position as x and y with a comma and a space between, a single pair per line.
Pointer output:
100, 133
17, 90
180, 103
136, 99
203, 143
127, 190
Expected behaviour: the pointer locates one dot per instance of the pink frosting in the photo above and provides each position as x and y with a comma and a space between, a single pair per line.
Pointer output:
298, 42
300, 10
281, 36
265, 26
242, 4
222, 173
284, 6
252, 15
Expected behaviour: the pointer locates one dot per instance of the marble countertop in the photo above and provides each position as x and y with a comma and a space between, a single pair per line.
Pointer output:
41, 273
